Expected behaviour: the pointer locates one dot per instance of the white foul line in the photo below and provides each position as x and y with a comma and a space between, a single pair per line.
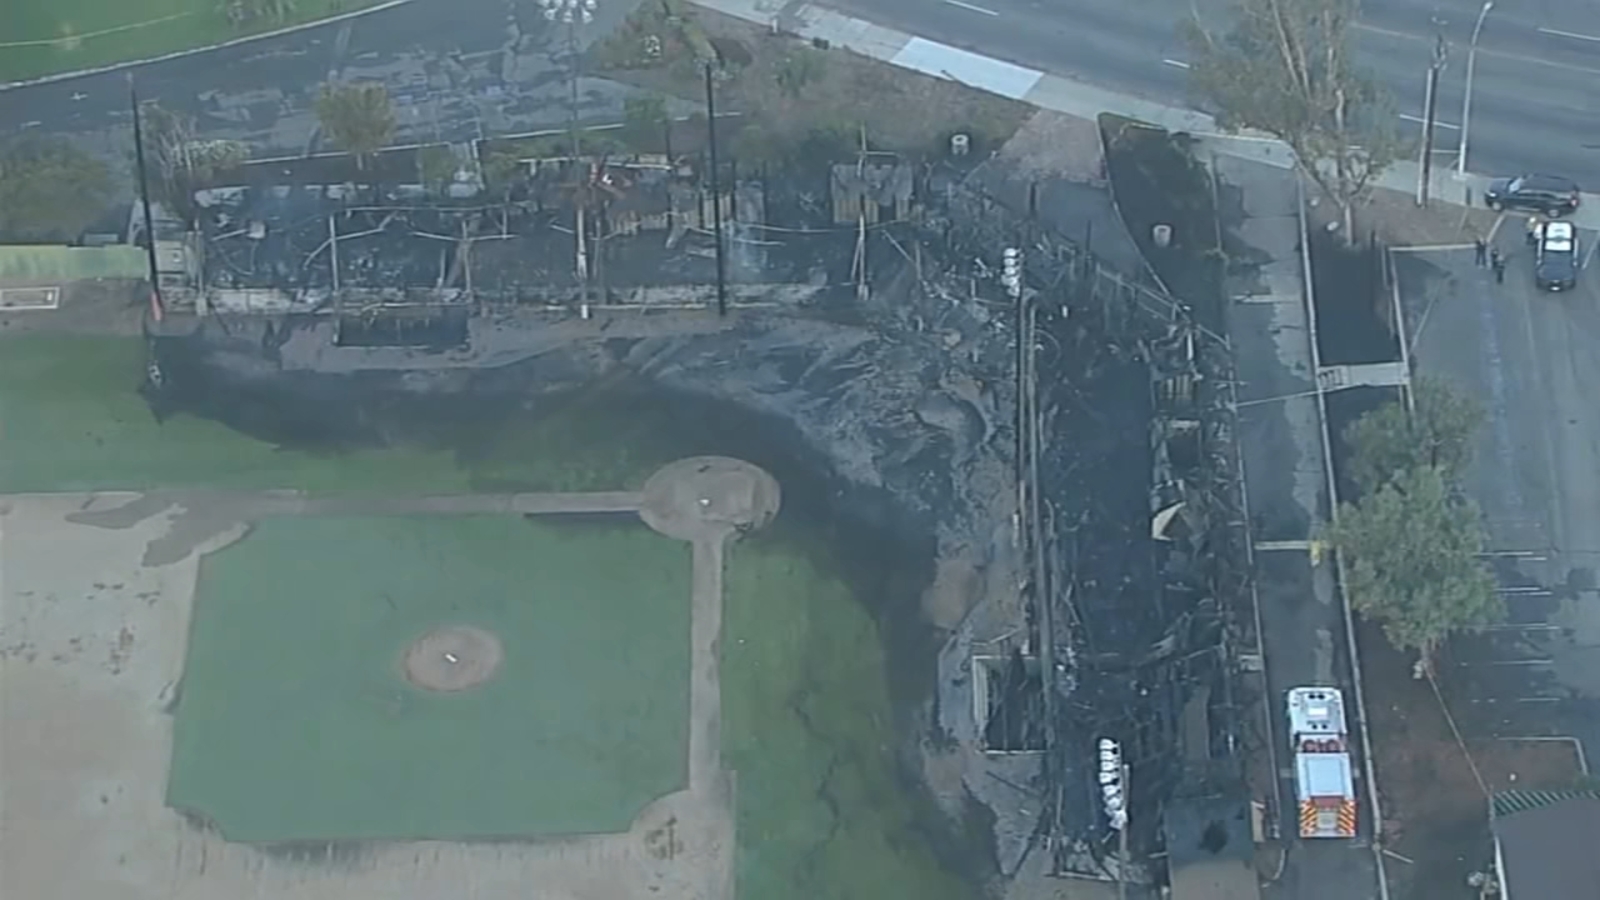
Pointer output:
969, 6
1570, 34
1176, 62
1436, 123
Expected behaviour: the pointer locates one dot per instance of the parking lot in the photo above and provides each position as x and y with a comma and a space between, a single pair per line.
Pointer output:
1530, 357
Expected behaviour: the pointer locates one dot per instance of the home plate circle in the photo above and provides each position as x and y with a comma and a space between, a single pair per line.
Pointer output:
455, 658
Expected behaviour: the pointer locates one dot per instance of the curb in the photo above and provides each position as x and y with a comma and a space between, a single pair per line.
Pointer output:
179, 54
860, 36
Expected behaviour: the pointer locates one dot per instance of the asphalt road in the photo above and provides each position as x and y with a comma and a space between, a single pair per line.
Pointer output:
1533, 357
1530, 356
1536, 94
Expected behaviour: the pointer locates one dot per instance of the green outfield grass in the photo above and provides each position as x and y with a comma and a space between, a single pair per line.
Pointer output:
72, 419
294, 722
822, 810
81, 34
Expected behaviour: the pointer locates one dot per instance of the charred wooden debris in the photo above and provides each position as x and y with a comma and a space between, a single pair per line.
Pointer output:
1132, 528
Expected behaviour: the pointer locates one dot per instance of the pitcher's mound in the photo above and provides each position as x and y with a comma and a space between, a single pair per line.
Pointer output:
453, 659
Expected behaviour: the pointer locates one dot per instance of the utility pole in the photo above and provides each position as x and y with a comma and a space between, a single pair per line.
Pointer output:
574, 13
716, 196
1466, 101
1122, 846
1441, 52
157, 305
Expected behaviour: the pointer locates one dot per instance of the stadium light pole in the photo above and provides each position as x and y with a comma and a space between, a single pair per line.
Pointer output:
1466, 101
716, 193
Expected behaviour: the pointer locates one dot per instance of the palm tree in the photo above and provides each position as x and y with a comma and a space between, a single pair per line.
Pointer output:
181, 163
358, 117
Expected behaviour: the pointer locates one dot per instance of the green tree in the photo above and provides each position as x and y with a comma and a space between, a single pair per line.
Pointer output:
502, 173
798, 69
179, 164
644, 122
357, 116
436, 166
50, 190
1411, 553
1392, 439
1285, 68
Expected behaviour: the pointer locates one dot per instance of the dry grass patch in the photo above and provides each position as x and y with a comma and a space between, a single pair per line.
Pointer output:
800, 98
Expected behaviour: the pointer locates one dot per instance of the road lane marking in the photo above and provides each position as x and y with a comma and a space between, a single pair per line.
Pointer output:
1485, 51
972, 8
1436, 123
1570, 34
1511, 662
1176, 62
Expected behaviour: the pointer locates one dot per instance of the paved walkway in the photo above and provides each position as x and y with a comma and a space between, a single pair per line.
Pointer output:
1280, 440
1061, 94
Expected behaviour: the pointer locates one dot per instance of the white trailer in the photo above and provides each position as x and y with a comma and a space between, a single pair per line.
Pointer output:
1323, 774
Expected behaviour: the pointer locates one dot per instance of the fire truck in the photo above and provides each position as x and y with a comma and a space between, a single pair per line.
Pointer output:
1324, 778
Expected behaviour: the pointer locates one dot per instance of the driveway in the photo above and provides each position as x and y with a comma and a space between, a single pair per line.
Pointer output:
456, 70
1530, 357
1302, 620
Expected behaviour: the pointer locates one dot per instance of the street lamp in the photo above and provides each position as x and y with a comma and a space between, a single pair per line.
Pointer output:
1466, 102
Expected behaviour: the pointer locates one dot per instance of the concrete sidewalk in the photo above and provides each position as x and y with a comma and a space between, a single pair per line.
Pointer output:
1066, 95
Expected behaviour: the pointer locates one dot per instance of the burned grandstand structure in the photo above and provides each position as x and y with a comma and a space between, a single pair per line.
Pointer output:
1068, 437
1135, 562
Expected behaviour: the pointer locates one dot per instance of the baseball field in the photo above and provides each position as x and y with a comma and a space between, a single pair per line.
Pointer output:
225, 691
39, 38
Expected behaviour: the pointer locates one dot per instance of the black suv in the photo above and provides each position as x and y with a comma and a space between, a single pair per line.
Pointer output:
1546, 194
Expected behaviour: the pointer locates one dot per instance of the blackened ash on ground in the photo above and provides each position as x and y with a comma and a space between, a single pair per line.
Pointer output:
1157, 181
1353, 303
1181, 693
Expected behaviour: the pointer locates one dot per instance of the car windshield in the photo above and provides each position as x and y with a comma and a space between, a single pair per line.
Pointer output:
1515, 185
1558, 245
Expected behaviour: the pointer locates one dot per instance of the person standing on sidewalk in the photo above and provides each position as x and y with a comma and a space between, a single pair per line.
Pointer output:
1480, 252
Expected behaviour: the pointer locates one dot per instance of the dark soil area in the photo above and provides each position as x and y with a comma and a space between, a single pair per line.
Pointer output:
1155, 180
1435, 811
794, 92
1353, 322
